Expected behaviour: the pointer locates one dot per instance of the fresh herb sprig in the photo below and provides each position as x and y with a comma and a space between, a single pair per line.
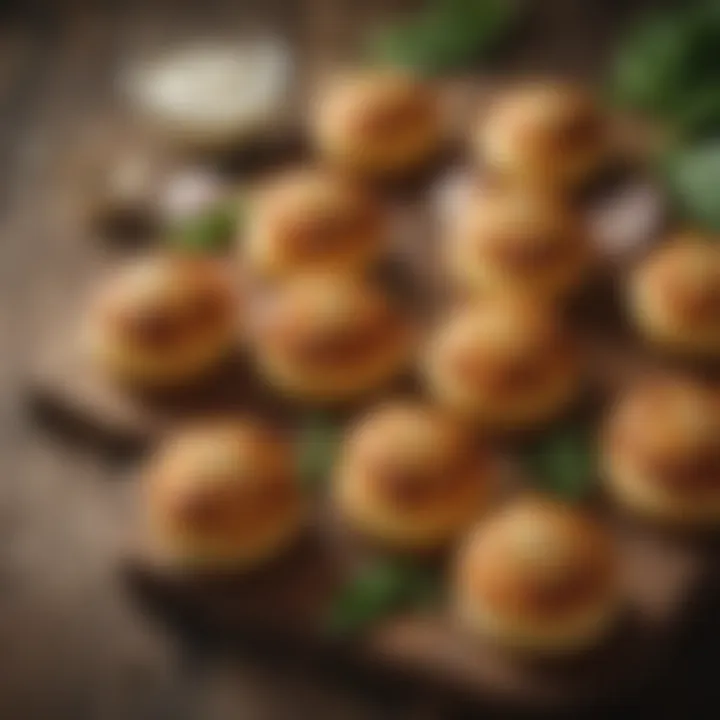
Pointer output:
693, 178
318, 442
210, 231
378, 591
446, 35
563, 462
667, 68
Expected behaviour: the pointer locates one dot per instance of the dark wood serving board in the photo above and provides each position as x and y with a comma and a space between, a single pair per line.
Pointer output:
286, 601
285, 605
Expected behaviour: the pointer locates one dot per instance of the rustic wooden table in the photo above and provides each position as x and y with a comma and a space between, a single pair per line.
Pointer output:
72, 645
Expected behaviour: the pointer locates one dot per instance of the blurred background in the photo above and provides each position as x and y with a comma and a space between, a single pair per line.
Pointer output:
73, 643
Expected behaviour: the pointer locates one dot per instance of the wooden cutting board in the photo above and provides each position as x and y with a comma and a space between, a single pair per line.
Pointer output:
286, 602
285, 606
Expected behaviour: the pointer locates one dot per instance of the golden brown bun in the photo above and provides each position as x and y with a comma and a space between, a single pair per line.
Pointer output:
675, 296
222, 493
309, 220
324, 338
506, 362
411, 477
520, 242
543, 134
538, 576
661, 450
377, 123
163, 320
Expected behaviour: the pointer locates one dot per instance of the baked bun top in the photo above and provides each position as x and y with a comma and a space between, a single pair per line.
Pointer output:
522, 233
543, 121
668, 429
377, 107
326, 321
538, 560
411, 455
309, 215
684, 276
161, 302
222, 481
505, 344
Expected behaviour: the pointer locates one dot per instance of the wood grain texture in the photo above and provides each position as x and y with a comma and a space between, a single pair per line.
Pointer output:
286, 605
72, 646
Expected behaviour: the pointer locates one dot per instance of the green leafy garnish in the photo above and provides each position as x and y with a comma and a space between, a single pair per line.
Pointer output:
379, 590
648, 67
446, 35
668, 67
212, 230
694, 179
317, 446
563, 463
700, 117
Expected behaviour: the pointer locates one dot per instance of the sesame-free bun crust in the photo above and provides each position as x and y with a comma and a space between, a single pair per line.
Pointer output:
162, 320
506, 362
674, 296
411, 477
377, 123
309, 220
222, 494
519, 242
328, 339
543, 134
661, 451
539, 577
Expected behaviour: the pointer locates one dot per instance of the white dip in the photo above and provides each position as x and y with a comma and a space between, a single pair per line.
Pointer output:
214, 92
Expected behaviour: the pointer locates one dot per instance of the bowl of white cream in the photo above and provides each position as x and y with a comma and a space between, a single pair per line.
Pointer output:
213, 94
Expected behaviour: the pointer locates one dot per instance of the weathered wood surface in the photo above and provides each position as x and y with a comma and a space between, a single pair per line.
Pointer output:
71, 645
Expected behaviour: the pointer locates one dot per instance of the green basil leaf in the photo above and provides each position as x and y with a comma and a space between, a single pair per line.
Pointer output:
379, 590
694, 181
318, 442
210, 231
563, 462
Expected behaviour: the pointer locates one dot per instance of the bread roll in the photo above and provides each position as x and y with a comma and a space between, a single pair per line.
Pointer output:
519, 242
412, 477
507, 363
222, 494
308, 220
326, 339
163, 320
674, 296
661, 450
538, 577
544, 134
377, 124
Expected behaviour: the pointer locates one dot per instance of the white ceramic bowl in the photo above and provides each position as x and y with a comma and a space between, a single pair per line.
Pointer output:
213, 94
